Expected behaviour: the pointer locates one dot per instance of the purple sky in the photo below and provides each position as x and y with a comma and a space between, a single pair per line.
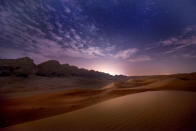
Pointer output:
131, 37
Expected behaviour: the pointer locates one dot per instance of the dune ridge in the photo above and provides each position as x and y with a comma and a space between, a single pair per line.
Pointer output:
158, 110
49, 102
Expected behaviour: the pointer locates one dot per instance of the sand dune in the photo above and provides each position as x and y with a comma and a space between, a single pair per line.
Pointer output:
47, 98
157, 110
171, 82
14, 87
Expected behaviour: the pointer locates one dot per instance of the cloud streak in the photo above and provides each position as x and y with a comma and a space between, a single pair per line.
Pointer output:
142, 58
186, 39
125, 54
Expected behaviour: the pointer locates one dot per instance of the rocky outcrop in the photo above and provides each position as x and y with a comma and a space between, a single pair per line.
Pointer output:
5, 71
50, 68
53, 68
19, 67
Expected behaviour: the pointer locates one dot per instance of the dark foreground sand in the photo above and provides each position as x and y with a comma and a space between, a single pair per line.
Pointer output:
34, 98
153, 110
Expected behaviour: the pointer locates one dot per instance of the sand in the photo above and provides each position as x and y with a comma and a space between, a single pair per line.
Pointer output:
14, 87
29, 108
152, 110
34, 98
44, 98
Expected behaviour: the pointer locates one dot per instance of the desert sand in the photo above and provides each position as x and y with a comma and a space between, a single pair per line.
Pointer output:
21, 105
158, 110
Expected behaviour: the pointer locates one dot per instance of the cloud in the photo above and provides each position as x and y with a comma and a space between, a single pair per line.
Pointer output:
110, 48
169, 42
176, 48
50, 48
11, 53
93, 51
71, 34
78, 54
67, 10
142, 58
124, 54
189, 56
186, 39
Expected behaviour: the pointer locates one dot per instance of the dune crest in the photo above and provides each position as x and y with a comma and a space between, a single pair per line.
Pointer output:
159, 110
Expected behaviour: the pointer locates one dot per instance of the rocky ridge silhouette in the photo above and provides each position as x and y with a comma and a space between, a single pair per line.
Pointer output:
25, 67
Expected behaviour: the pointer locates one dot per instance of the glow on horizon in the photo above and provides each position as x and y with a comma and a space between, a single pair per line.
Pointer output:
112, 70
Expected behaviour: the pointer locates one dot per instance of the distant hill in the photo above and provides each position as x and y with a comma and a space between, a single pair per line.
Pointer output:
52, 68
19, 67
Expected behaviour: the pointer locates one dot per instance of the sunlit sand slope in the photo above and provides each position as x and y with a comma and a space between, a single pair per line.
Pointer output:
171, 82
157, 110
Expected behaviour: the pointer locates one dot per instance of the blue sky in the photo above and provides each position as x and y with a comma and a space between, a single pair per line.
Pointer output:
132, 37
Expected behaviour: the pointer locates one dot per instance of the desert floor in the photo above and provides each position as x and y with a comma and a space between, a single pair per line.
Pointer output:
161, 102
157, 110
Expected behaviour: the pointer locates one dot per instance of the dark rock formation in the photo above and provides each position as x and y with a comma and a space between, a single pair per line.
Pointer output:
19, 67
53, 68
50, 68
5, 71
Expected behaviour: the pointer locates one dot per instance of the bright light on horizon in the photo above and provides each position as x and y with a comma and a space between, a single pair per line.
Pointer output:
112, 70
108, 71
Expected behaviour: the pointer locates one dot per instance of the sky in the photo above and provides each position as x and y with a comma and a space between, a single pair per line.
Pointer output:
129, 37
